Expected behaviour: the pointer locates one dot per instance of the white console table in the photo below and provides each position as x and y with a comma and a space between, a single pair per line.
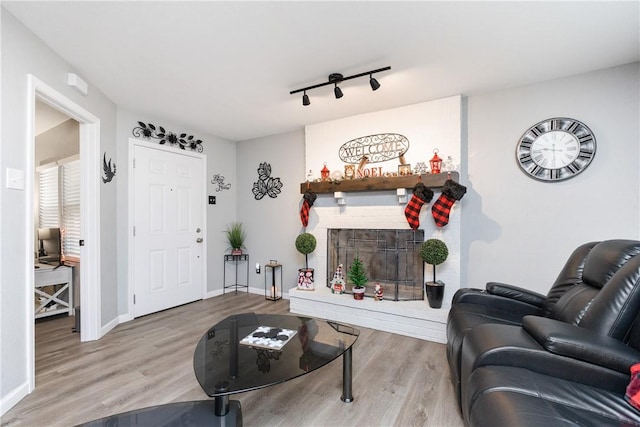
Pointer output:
53, 290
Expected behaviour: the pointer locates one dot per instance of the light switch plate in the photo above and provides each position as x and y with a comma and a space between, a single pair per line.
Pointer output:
15, 179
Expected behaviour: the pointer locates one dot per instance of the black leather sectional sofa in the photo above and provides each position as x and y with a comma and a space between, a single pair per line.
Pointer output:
518, 358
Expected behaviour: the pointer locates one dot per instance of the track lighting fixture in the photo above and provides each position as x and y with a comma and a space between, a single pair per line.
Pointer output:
374, 83
337, 92
336, 78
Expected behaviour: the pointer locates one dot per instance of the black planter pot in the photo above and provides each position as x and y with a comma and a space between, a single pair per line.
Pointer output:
435, 293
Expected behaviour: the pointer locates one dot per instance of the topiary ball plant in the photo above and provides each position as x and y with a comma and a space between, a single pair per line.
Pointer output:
434, 252
305, 244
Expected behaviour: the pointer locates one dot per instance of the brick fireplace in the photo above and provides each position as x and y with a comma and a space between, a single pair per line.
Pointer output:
377, 211
376, 203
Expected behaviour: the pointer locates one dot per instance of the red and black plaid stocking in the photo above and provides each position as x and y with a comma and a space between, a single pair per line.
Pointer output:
307, 201
421, 195
451, 192
632, 394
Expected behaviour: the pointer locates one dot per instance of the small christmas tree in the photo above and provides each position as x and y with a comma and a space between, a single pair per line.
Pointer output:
357, 273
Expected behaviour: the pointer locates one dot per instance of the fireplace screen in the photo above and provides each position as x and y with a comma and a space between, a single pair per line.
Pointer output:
391, 258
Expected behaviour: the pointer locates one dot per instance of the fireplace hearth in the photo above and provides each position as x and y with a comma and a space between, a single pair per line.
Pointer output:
391, 259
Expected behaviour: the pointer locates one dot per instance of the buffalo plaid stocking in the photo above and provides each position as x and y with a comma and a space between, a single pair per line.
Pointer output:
451, 192
421, 195
307, 201
632, 394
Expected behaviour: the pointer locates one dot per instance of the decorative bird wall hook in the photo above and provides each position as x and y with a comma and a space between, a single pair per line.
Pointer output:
109, 170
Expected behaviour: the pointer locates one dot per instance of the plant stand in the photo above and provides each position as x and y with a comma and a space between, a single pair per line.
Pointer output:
235, 259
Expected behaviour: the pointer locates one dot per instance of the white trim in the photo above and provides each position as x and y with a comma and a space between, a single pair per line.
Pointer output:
133, 142
252, 290
109, 326
13, 397
90, 228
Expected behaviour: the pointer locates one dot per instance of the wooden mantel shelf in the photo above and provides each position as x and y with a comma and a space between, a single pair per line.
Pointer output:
379, 183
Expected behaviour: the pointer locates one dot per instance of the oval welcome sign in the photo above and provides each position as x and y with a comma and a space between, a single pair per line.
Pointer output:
376, 148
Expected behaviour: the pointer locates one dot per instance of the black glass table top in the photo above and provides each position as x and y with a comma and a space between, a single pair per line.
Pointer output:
223, 365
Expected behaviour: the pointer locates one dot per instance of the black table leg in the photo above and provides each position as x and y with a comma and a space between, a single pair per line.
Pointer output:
347, 394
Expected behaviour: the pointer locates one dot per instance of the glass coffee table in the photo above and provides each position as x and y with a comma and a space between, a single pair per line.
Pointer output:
247, 352
250, 351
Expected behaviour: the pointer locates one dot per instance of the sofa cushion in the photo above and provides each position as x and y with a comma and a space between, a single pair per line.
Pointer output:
510, 396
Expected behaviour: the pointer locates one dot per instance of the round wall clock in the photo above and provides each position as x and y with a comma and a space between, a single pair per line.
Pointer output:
556, 149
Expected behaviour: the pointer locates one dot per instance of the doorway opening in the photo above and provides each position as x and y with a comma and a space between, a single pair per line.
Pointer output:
89, 146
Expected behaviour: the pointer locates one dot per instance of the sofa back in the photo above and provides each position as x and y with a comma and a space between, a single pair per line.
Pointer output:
569, 276
608, 298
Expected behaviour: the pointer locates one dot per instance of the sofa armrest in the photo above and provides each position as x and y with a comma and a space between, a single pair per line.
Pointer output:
578, 343
516, 293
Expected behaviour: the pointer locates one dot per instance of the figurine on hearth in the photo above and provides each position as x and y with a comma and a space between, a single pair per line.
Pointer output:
378, 292
337, 283
305, 280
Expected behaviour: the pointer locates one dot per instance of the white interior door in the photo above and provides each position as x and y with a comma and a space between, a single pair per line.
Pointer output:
169, 192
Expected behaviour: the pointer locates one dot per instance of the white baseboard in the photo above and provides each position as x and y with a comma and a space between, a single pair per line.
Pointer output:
16, 395
109, 326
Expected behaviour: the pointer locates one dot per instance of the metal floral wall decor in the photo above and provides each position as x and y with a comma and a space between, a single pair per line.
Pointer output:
183, 140
108, 169
218, 180
266, 184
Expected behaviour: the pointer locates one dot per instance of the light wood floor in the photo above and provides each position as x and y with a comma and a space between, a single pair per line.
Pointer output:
397, 381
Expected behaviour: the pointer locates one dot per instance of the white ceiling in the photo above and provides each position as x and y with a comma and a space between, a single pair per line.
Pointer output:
226, 68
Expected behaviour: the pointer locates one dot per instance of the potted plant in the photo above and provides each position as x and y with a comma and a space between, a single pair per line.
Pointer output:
434, 252
305, 244
358, 276
235, 237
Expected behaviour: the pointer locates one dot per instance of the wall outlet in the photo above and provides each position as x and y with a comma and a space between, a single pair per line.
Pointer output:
212, 200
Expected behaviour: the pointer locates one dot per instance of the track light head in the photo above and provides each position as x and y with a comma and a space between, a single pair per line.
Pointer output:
337, 92
374, 83
305, 99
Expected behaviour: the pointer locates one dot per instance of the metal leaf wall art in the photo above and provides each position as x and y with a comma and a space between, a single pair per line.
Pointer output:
148, 131
266, 185
108, 169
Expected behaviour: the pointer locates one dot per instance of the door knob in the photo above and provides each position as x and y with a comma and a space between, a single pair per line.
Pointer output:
199, 240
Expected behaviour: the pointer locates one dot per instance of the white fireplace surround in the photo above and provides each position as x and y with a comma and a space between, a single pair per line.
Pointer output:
378, 211
428, 126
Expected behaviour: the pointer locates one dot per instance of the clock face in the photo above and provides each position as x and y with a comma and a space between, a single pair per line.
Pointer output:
556, 149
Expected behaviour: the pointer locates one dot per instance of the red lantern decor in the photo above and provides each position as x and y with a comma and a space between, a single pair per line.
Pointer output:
435, 162
324, 173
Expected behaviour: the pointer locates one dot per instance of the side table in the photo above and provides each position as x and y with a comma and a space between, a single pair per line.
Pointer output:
235, 260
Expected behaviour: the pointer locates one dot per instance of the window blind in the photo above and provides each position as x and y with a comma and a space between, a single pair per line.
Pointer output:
70, 208
48, 207
59, 204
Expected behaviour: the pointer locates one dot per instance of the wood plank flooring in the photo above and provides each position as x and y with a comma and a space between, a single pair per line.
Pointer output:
397, 381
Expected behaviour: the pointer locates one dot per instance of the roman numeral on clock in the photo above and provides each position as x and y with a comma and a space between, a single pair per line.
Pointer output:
537, 170
573, 168
525, 158
585, 139
585, 153
554, 174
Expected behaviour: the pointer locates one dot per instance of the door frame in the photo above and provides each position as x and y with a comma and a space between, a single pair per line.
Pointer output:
133, 142
90, 264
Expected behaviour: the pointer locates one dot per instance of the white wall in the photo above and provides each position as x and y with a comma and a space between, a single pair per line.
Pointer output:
22, 54
221, 159
521, 231
272, 224
513, 229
